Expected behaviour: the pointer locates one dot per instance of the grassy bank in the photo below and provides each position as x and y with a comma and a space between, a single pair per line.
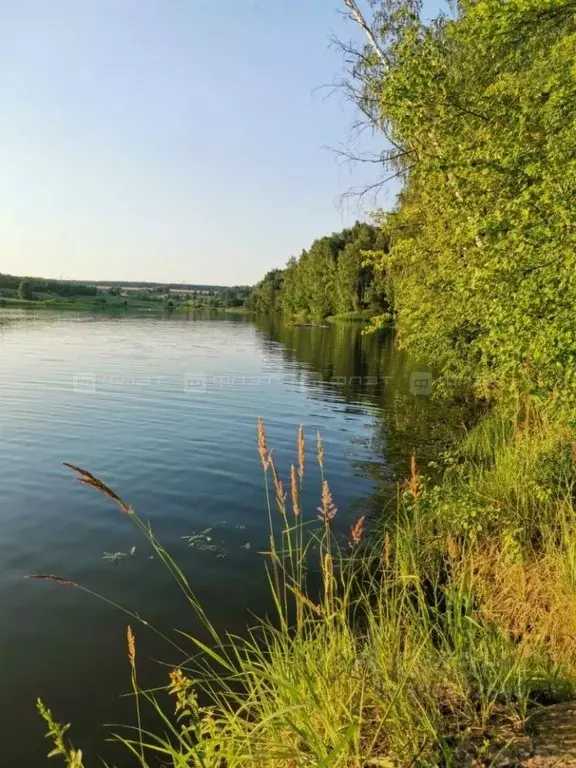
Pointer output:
83, 304
238, 311
102, 304
364, 316
115, 304
305, 318
429, 642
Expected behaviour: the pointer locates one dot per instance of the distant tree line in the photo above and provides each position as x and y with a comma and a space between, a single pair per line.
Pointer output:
171, 294
29, 286
334, 276
155, 287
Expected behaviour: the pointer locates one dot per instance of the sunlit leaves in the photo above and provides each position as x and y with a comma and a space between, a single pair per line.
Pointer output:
484, 246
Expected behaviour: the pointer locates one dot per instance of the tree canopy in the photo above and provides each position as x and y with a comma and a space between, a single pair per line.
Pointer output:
479, 114
332, 277
25, 290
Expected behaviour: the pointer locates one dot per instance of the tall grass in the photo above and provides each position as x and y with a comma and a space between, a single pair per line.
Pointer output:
427, 643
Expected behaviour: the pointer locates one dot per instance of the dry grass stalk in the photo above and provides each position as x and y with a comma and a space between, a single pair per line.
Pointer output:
50, 577
301, 452
294, 491
387, 550
328, 509
87, 478
532, 600
328, 574
278, 486
131, 646
357, 531
320, 449
305, 600
262, 447
412, 485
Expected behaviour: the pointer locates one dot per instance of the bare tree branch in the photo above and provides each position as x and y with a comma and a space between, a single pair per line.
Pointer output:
358, 17
361, 192
384, 158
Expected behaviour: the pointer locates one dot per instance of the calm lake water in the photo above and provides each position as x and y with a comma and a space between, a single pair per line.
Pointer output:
164, 410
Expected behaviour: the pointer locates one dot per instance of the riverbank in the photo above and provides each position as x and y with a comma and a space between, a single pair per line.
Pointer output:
112, 304
82, 304
238, 311
121, 304
432, 641
306, 319
364, 316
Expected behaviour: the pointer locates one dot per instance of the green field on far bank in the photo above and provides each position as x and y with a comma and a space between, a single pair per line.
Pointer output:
38, 293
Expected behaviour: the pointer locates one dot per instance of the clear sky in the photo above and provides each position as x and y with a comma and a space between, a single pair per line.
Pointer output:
169, 140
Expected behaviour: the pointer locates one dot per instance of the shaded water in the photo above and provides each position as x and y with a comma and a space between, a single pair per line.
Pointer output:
164, 410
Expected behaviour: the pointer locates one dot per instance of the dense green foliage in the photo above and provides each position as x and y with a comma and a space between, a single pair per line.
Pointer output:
25, 290
331, 278
12, 284
480, 111
265, 296
480, 250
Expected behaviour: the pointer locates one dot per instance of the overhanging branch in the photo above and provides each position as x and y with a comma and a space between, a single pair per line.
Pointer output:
358, 17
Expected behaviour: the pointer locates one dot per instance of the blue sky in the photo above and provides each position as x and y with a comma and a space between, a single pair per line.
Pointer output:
169, 140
